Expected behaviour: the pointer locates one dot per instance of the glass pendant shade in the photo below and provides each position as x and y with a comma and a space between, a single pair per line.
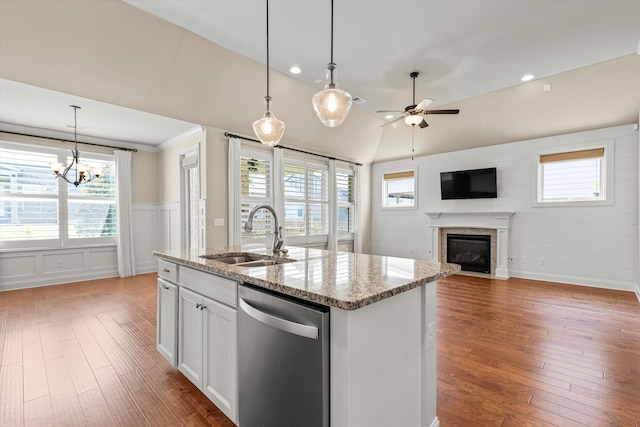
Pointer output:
269, 129
413, 119
332, 104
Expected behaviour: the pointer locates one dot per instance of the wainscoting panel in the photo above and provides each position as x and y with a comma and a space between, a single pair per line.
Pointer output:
147, 235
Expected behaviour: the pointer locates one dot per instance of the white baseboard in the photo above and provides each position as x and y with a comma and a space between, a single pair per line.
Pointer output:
577, 280
147, 267
638, 292
435, 423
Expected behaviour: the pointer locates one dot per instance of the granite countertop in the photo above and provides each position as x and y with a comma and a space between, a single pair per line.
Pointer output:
338, 279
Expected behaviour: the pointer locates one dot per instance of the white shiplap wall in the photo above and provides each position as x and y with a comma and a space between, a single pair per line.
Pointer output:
592, 245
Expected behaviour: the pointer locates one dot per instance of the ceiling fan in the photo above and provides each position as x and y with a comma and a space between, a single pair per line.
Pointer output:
414, 114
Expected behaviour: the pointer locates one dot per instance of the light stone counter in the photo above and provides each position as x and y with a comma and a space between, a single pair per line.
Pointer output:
337, 279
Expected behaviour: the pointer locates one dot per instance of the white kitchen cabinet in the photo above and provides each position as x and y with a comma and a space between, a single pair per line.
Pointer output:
167, 321
220, 374
207, 338
190, 334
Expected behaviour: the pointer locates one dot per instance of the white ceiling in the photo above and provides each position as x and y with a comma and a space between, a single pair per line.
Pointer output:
45, 112
462, 48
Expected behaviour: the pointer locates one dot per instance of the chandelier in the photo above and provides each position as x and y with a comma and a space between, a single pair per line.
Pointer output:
76, 173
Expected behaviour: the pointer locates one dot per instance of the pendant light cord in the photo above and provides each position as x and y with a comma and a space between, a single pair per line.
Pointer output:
268, 97
332, 34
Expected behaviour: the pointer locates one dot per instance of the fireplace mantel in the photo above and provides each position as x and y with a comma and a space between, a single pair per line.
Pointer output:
499, 221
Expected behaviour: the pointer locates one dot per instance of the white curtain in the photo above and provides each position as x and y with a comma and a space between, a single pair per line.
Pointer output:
126, 259
278, 184
235, 220
357, 239
332, 237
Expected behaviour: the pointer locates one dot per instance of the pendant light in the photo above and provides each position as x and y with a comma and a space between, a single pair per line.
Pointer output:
82, 173
332, 104
268, 129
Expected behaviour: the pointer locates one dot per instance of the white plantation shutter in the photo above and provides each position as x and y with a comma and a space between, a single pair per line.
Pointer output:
345, 185
38, 209
29, 198
92, 206
256, 189
306, 199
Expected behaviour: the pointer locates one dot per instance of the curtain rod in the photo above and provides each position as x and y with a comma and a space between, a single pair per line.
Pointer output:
232, 135
135, 150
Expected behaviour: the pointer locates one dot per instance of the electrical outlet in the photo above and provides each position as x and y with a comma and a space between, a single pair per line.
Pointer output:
523, 259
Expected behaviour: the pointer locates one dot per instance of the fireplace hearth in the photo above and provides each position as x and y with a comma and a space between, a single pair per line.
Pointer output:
472, 252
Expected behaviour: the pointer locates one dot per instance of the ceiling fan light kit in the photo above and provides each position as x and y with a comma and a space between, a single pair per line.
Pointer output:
268, 129
332, 104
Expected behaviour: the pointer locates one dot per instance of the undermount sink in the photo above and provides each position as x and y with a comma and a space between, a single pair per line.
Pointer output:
248, 259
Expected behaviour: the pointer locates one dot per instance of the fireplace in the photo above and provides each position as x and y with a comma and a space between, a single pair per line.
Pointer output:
494, 224
472, 252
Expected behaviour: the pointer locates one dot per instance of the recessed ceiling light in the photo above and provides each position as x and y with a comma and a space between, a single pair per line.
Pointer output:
388, 116
527, 77
295, 70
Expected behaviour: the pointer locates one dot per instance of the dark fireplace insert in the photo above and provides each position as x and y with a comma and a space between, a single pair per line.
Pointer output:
472, 252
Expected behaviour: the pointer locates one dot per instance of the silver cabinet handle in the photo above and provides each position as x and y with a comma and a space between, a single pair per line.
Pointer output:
198, 305
202, 307
276, 322
166, 270
165, 287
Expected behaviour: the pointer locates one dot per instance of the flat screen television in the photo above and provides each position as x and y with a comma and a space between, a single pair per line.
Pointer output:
469, 184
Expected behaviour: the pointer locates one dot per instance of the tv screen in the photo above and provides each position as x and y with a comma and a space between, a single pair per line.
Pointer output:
469, 184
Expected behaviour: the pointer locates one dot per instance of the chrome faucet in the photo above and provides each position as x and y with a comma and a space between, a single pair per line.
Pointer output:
278, 241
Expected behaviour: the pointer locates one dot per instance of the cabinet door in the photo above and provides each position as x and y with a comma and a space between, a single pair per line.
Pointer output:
167, 321
220, 357
190, 335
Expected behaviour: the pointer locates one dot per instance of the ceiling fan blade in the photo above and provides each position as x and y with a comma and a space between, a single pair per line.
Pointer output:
392, 121
423, 124
441, 112
424, 104
390, 111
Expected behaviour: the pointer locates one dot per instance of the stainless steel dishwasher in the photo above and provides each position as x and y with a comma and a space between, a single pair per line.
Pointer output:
283, 360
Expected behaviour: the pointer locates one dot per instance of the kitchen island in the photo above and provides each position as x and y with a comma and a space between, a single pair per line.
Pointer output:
382, 325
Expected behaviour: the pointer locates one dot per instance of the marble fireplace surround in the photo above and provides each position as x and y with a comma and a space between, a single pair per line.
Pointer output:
495, 224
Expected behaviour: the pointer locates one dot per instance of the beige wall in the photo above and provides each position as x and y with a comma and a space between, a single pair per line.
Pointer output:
144, 177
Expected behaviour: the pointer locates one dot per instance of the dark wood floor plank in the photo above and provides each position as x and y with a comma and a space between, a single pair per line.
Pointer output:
64, 400
120, 402
35, 375
95, 409
38, 412
11, 395
81, 373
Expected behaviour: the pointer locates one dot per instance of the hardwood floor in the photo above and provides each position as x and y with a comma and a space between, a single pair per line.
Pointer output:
510, 353
528, 353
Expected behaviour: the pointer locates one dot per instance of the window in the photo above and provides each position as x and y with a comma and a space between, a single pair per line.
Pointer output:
399, 189
575, 176
306, 202
256, 189
36, 209
345, 192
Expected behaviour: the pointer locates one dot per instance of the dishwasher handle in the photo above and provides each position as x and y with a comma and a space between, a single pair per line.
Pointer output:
279, 323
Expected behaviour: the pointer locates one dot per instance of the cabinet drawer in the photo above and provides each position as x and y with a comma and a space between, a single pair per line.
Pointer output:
215, 287
168, 270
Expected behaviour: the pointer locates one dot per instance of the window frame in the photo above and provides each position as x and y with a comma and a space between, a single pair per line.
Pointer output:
307, 239
606, 175
385, 193
63, 199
